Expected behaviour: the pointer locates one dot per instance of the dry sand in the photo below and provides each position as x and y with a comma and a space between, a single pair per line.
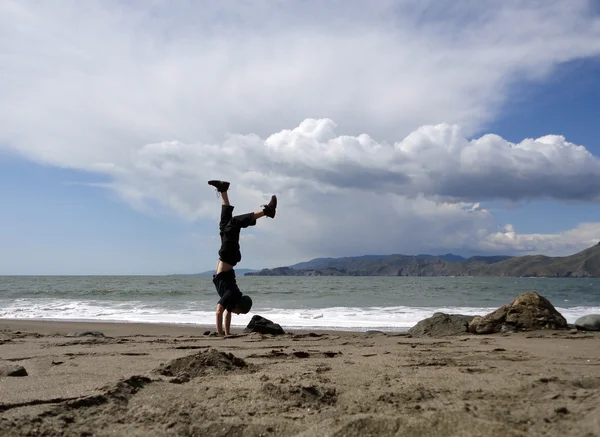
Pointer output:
157, 380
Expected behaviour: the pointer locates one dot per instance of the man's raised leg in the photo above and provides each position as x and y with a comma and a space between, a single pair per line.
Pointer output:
225, 220
245, 220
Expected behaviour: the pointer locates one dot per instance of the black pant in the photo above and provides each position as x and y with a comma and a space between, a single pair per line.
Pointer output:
230, 234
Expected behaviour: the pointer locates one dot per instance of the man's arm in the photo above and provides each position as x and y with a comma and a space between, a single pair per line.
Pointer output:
227, 322
220, 309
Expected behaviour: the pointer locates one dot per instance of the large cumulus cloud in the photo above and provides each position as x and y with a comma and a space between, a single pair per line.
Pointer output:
343, 194
435, 162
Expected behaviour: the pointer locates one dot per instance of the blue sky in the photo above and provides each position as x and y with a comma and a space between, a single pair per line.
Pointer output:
381, 128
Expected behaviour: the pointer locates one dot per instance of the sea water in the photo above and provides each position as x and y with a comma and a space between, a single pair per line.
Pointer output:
325, 302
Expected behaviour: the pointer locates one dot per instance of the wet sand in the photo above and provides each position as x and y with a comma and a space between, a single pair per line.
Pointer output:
147, 380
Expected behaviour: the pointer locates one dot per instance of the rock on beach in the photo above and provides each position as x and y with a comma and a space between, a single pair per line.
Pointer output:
263, 326
529, 311
9, 369
441, 325
591, 322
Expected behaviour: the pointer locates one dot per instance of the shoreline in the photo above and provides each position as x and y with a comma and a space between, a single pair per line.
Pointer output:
33, 323
211, 327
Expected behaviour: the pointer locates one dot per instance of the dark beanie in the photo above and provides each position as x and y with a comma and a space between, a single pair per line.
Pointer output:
245, 304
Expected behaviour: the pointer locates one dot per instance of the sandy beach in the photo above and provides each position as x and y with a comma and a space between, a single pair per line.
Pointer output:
163, 380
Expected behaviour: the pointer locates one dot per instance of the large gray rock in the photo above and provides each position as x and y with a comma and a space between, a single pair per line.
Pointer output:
9, 369
441, 325
264, 326
591, 322
529, 311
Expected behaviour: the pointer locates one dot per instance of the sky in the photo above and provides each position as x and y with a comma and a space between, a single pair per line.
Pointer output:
384, 127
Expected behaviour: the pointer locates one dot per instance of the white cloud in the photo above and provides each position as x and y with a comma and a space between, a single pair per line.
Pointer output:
435, 162
162, 96
564, 243
346, 195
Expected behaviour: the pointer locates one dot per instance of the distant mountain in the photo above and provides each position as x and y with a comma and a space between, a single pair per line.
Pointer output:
448, 257
323, 262
238, 272
366, 261
583, 264
489, 259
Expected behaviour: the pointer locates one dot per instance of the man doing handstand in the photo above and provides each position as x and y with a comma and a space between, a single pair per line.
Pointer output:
232, 300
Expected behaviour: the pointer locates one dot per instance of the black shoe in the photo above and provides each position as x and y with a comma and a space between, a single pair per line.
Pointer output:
269, 209
221, 186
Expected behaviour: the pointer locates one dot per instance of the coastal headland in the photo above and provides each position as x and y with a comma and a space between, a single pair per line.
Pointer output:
584, 264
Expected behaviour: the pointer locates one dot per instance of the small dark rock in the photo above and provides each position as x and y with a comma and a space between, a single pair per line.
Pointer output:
263, 326
561, 410
206, 333
374, 332
12, 370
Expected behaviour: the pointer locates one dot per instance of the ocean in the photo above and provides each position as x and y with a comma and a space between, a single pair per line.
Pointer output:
325, 302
